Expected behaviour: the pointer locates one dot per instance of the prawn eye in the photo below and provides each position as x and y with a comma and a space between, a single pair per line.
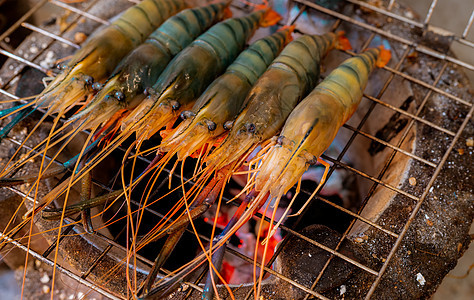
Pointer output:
187, 114
211, 125
251, 127
97, 86
149, 91
88, 80
119, 96
175, 104
280, 140
61, 66
228, 125
313, 161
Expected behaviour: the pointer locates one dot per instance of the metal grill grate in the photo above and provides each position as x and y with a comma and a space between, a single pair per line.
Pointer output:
387, 10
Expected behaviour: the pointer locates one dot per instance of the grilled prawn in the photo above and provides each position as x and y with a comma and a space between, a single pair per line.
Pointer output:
141, 68
223, 99
307, 132
289, 78
99, 55
189, 73
96, 59
314, 123
183, 80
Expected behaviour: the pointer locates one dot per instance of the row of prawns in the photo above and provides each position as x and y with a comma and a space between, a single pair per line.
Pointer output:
159, 61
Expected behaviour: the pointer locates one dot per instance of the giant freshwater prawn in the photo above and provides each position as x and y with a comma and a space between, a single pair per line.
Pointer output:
231, 100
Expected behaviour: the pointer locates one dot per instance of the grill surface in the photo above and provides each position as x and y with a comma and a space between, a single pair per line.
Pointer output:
441, 118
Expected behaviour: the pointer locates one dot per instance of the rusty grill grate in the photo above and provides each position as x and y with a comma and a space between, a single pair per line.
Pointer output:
387, 10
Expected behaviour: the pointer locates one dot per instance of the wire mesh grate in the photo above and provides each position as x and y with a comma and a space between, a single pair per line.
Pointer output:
385, 9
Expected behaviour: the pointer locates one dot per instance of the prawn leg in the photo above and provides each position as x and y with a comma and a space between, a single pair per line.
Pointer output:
86, 191
53, 214
217, 257
321, 182
162, 257
200, 205
165, 288
205, 200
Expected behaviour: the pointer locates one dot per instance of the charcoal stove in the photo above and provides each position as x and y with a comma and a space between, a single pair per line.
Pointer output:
407, 150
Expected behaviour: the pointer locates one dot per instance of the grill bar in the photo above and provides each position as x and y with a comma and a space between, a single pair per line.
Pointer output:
419, 48
22, 60
414, 117
51, 35
79, 12
372, 178
65, 271
23, 18
390, 145
430, 12
468, 27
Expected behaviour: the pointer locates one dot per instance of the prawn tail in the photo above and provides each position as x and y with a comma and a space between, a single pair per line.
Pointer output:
342, 43
289, 31
384, 56
270, 16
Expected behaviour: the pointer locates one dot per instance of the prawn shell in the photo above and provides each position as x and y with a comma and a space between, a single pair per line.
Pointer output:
287, 80
191, 71
314, 123
125, 33
142, 67
223, 99
103, 50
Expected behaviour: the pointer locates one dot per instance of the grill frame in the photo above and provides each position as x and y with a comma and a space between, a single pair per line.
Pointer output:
412, 46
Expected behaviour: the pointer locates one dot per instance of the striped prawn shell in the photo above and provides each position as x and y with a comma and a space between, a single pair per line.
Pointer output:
303, 56
142, 67
139, 21
314, 123
224, 97
348, 81
246, 68
228, 38
180, 30
191, 71
286, 81
220, 45
124, 34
